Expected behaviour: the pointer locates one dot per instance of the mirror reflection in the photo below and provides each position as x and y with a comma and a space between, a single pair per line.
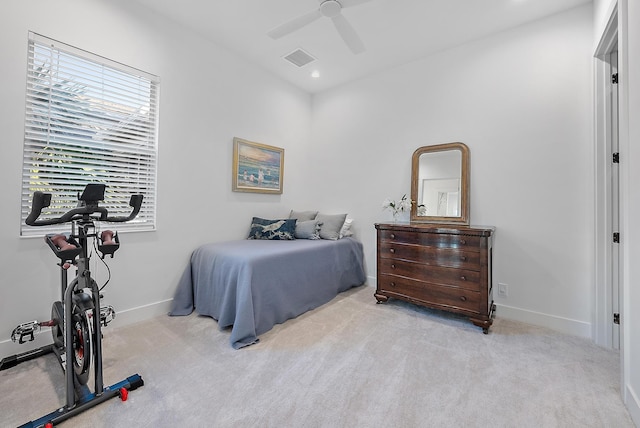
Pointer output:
439, 184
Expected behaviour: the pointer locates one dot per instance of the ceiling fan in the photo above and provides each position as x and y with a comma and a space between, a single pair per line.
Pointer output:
329, 9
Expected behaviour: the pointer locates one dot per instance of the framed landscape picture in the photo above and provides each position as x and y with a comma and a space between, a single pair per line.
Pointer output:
257, 168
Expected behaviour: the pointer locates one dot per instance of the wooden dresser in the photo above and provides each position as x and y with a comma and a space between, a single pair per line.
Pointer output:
444, 267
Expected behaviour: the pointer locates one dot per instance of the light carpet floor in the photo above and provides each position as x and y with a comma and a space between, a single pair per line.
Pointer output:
349, 363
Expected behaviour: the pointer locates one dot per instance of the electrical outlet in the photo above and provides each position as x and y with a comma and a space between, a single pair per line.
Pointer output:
503, 290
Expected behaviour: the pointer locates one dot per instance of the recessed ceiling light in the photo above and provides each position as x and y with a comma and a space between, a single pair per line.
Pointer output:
315, 74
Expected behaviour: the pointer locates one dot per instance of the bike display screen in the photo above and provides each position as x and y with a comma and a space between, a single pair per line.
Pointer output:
93, 193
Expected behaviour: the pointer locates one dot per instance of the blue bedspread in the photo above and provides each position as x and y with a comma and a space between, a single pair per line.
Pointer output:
251, 285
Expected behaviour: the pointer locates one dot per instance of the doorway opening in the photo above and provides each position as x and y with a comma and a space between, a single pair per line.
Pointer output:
608, 269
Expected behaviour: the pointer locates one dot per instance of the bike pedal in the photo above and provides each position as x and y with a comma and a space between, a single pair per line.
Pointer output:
107, 314
27, 330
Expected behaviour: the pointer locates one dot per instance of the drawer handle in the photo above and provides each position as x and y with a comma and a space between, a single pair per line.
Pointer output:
463, 298
393, 284
393, 266
463, 242
463, 258
393, 236
392, 250
463, 278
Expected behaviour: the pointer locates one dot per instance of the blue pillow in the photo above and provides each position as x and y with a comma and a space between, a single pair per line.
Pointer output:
283, 229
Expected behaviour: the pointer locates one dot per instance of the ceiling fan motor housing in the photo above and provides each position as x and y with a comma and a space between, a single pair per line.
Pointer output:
330, 8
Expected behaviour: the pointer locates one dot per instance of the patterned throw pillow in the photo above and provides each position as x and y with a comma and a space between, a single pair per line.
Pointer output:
283, 229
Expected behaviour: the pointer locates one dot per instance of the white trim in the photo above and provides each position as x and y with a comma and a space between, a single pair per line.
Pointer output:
628, 203
39, 38
632, 400
563, 325
142, 313
602, 268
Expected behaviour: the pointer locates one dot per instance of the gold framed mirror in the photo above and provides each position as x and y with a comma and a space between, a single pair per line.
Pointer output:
440, 184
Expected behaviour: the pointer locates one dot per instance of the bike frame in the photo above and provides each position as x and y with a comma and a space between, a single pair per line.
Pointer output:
82, 280
83, 229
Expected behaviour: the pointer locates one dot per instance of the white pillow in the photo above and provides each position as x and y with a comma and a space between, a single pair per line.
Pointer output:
346, 228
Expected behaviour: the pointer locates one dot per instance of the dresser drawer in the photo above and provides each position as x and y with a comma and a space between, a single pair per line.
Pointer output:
439, 296
447, 257
438, 240
469, 279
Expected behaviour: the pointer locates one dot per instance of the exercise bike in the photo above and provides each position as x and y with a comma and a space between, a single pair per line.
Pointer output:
77, 319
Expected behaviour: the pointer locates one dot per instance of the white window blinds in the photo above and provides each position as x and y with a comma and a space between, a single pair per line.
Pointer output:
88, 120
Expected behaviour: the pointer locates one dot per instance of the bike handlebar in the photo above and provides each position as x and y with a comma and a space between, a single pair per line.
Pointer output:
42, 200
136, 202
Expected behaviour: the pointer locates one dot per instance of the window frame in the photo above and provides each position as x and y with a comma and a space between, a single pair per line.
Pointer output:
88, 119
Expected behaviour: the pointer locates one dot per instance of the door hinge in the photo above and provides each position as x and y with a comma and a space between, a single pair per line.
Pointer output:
616, 157
614, 78
616, 237
616, 318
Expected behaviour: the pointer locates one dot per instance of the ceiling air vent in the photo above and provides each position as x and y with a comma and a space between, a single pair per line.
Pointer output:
299, 58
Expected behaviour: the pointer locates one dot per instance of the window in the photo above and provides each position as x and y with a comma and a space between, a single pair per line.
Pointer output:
88, 120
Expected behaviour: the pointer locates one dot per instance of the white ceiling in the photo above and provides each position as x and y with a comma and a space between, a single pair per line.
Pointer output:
394, 32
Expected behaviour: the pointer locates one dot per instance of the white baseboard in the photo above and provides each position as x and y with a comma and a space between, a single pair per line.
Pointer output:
123, 318
563, 325
632, 402
142, 313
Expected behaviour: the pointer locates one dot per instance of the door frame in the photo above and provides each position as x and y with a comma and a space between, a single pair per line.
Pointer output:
603, 327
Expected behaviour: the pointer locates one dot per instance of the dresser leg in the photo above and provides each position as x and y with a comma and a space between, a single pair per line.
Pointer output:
380, 298
483, 324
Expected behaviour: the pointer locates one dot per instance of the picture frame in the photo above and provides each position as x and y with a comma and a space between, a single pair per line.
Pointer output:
257, 168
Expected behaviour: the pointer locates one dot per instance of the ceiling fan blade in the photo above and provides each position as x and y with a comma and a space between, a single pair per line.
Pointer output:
348, 34
351, 3
294, 25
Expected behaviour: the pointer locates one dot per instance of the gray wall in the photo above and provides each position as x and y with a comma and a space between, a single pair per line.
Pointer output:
207, 97
521, 101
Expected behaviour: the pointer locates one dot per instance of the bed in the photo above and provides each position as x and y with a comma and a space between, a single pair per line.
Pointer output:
252, 285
